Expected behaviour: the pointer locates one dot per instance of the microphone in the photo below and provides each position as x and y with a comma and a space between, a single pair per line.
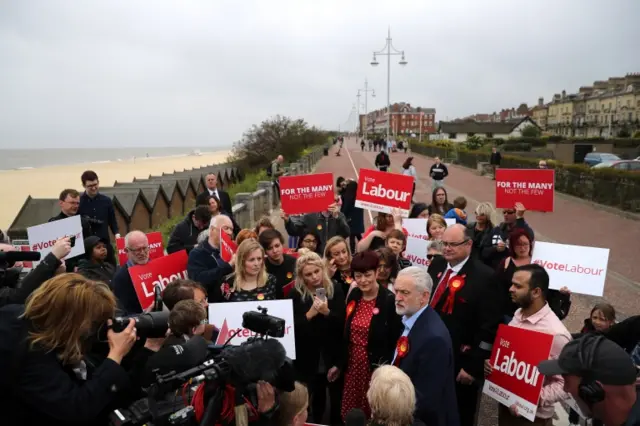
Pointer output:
19, 256
179, 358
355, 417
256, 360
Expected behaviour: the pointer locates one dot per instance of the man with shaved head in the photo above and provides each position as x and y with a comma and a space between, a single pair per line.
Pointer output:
205, 263
466, 297
136, 245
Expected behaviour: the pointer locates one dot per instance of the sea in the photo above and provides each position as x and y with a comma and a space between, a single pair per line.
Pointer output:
21, 159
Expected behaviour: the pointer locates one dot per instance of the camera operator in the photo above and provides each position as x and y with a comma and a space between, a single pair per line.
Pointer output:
46, 379
14, 292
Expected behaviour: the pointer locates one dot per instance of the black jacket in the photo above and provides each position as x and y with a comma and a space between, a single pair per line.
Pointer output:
100, 208
225, 201
184, 235
207, 267
123, 289
478, 238
438, 171
46, 269
490, 254
476, 313
326, 226
382, 160
495, 159
384, 330
42, 391
322, 336
97, 271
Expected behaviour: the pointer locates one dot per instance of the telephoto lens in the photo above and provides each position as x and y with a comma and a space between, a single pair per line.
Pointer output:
150, 324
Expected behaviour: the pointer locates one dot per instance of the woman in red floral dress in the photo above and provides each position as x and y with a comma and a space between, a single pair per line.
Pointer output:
372, 329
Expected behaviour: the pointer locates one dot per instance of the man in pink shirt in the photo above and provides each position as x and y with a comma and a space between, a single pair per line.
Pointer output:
528, 290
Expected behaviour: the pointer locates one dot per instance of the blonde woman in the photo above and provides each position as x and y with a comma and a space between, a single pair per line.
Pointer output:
392, 397
250, 281
436, 226
46, 341
293, 407
318, 311
486, 218
337, 256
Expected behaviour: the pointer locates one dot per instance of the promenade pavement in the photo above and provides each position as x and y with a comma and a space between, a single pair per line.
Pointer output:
572, 222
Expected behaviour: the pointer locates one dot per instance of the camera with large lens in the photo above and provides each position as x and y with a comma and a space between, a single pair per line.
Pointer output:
150, 324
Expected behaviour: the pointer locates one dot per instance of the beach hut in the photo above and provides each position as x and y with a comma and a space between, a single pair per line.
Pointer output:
134, 205
157, 198
196, 177
34, 211
185, 186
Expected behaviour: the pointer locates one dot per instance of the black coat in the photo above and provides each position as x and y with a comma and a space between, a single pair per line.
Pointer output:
207, 267
225, 201
184, 235
125, 292
43, 391
490, 254
321, 335
46, 269
430, 365
97, 271
476, 313
384, 330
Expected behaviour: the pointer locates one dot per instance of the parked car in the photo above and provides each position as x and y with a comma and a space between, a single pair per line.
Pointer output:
594, 158
625, 165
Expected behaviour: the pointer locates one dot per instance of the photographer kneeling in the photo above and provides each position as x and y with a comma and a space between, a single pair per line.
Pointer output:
46, 380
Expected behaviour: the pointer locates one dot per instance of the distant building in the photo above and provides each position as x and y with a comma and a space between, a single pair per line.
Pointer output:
460, 131
405, 120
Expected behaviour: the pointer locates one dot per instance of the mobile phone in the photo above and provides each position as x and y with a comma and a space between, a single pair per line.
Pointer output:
72, 240
321, 294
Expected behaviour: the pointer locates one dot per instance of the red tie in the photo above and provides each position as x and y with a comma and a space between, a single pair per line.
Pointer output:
441, 288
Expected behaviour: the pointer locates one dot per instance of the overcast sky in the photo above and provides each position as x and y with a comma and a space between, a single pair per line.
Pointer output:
198, 73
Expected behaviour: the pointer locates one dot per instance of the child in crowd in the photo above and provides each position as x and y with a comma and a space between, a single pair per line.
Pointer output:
602, 316
397, 242
457, 212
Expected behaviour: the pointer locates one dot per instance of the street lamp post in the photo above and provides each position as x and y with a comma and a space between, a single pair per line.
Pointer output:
366, 91
389, 50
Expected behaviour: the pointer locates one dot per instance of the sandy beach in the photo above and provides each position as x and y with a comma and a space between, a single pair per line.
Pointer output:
48, 182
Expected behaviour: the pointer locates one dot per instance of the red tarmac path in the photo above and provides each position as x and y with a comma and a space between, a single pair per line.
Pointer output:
572, 222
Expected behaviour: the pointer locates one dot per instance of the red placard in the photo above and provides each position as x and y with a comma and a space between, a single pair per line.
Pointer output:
156, 248
534, 188
383, 191
227, 246
159, 272
515, 378
306, 193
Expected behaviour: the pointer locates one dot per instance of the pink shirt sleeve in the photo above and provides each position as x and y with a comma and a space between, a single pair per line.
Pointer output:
552, 389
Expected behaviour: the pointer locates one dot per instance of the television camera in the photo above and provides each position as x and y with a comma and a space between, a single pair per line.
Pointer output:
241, 367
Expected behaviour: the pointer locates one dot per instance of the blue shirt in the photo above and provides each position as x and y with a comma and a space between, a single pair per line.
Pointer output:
408, 325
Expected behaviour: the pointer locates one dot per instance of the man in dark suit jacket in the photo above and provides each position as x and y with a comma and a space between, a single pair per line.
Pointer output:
467, 300
212, 189
426, 355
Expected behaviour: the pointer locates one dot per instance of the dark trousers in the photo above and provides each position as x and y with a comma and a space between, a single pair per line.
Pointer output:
505, 418
318, 388
353, 242
467, 397
276, 185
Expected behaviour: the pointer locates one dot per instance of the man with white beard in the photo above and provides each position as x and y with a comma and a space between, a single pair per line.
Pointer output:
424, 351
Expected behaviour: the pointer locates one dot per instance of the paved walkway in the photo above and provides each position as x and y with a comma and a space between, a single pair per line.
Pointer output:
572, 223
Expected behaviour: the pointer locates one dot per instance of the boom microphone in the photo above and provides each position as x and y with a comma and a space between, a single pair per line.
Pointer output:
178, 358
19, 256
260, 359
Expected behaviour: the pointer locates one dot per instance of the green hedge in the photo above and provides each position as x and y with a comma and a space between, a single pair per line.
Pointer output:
604, 186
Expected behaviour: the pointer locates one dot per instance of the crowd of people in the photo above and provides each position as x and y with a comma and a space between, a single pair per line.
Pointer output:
374, 334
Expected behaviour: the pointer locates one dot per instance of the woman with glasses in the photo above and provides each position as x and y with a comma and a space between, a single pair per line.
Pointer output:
387, 268
434, 251
310, 240
371, 331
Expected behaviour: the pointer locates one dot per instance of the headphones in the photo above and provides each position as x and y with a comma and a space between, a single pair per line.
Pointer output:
590, 391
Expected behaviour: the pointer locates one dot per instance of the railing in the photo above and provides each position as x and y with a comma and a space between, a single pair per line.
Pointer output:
249, 207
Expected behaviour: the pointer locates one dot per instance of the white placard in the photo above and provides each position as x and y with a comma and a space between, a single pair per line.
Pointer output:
43, 237
417, 241
228, 317
449, 221
582, 269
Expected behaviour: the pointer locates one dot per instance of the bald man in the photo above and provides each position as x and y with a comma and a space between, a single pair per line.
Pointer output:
136, 245
465, 295
205, 263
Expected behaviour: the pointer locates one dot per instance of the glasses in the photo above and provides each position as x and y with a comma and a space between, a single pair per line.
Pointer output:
508, 212
522, 245
430, 256
450, 244
310, 241
138, 250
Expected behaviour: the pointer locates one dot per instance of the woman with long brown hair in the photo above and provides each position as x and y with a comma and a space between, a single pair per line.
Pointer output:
45, 342
250, 280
